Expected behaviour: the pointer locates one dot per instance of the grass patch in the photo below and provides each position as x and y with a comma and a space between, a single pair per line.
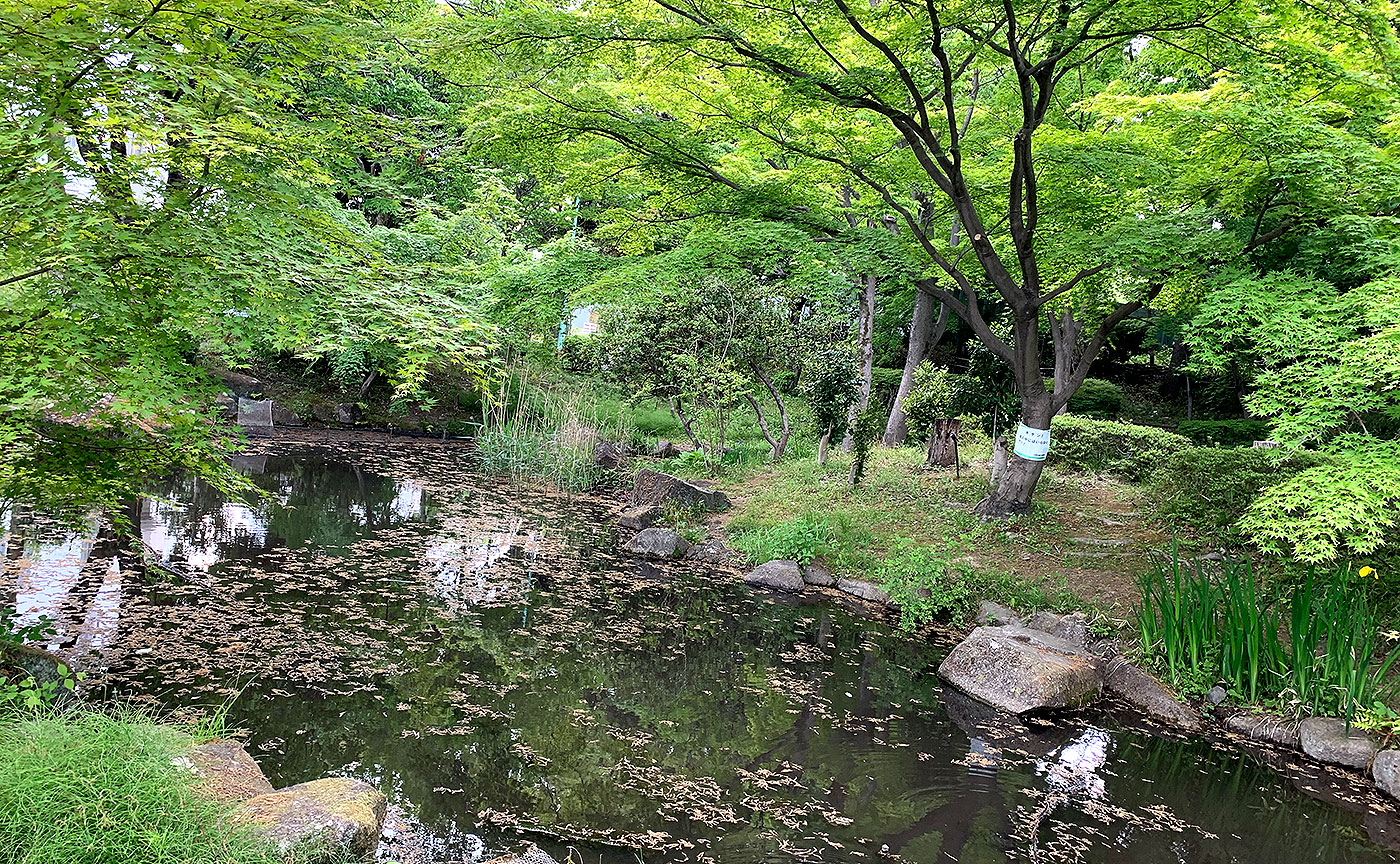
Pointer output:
91, 788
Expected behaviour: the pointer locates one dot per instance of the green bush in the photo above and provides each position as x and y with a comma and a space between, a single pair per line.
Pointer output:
930, 399
1224, 433
922, 583
1210, 488
582, 354
1097, 398
1131, 452
801, 540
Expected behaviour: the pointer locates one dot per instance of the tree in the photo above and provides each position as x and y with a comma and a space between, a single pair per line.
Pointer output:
832, 384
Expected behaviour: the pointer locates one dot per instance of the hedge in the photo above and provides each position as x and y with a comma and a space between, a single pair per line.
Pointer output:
1125, 450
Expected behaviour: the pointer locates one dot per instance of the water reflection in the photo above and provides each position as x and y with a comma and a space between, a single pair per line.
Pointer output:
486, 656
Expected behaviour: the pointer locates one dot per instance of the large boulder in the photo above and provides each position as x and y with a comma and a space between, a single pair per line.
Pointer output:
226, 772
531, 854
818, 574
1146, 694
654, 487
639, 518
657, 543
1267, 728
1330, 740
782, 575
1020, 670
321, 821
45, 667
1385, 770
1073, 628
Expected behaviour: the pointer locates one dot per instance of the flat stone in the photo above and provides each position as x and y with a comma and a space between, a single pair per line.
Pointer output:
864, 590
1146, 694
637, 518
1327, 739
1385, 770
227, 773
1265, 727
782, 575
1073, 628
655, 487
1019, 670
817, 573
994, 614
321, 821
532, 854
657, 543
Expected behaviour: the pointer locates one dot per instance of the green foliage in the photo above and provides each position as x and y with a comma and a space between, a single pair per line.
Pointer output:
801, 539
1348, 503
1210, 489
83, 787
1102, 400
1224, 433
929, 399
867, 429
582, 354
1318, 651
923, 583
1134, 453
831, 387
13, 634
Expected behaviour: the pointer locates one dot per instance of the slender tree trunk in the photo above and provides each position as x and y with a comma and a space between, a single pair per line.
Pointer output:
822, 446
924, 335
779, 446
686, 425
869, 287
1064, 335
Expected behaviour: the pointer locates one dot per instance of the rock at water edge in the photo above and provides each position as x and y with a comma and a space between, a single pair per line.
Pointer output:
782, 575
284, 416
657, 543
1327, 739
1147, 695
864, 590
654, 487
1265, 727
817, 573
532, 854
1385, 770
1073, 628
323, 820
991, 614
638, 518
1020, 670
226, 772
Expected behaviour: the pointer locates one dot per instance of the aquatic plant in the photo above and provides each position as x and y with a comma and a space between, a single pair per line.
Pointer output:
1318, 651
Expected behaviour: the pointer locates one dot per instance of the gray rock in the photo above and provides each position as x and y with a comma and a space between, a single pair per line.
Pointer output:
817, 573
1327, 739
608, 454
227, 406
1265, 727
254, 412
323, 413
284, 416
321, 821
1073, 628
1385, 770
654, 487
637, 518
864, 590
532, 854
347, 413
658, 543
242, 386
994, 614
1147, 695
1217, 695
782, 575
712, 551
666, 449
226, 772
1019, 670
46, 667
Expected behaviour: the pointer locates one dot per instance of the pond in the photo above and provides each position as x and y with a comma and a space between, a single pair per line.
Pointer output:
485, 654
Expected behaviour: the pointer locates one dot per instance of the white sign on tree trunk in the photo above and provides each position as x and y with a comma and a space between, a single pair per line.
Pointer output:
1032, 444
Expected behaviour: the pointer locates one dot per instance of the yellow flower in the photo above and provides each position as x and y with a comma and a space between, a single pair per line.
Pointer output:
1368, 571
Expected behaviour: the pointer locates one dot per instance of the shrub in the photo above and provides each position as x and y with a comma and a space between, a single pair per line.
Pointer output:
1224, 433
922, 583
1097, 398
1134, 453
929, 399
582, 354
1210, 488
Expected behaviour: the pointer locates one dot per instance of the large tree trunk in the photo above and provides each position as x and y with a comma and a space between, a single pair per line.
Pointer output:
869, 286
1012, 494
942, 449
924, 335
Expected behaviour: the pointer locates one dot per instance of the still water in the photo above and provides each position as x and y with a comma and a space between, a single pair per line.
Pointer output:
483, 653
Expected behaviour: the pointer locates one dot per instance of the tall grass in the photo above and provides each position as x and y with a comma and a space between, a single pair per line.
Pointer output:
1319, 650
90, 788
533, 431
